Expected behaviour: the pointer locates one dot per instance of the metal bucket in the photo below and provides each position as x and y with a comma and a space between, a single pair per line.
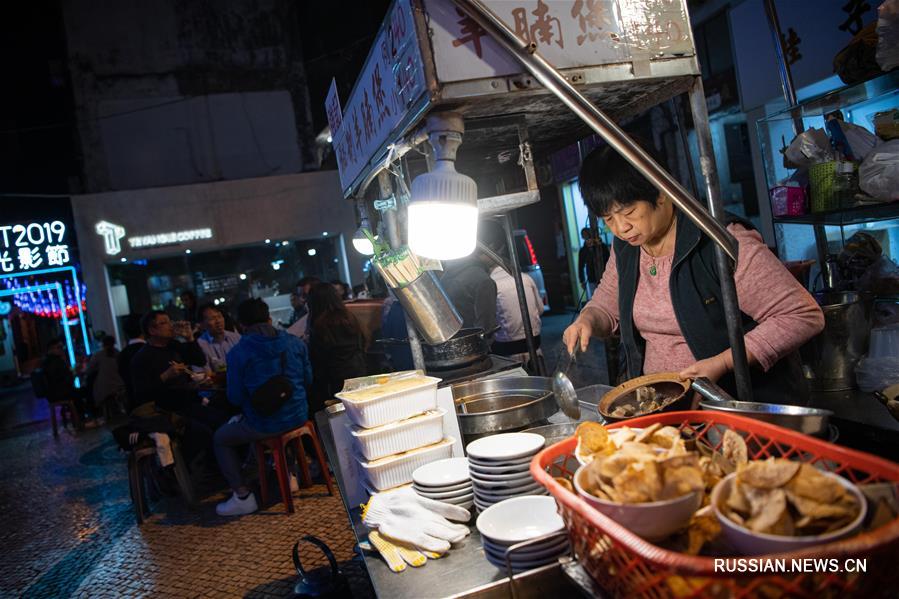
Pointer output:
828, 360
430, 309
502, 405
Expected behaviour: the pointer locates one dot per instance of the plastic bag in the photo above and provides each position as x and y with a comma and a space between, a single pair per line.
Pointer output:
810, 147
874, 374
878, 175
888, 35
861, 141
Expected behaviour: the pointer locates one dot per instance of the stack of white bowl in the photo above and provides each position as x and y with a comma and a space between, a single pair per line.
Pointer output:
445, 480
518, 520
499, 466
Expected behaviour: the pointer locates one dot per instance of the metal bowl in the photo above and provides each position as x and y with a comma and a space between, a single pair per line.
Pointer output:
668, 383
811, 421
503, 404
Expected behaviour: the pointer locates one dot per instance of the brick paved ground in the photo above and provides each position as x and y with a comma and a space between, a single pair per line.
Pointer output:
68, 528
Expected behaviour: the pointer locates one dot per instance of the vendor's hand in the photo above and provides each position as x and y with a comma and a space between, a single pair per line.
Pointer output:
408, 518
711, 368
183, 329
174, 370
577, 336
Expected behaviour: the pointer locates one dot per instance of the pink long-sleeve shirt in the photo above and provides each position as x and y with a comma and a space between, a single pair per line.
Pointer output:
787, 315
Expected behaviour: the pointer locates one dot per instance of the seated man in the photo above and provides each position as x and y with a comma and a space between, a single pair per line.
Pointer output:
215, 341
60, 380
160, 373
262, 353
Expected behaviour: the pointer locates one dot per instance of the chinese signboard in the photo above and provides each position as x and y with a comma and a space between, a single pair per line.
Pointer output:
33, 245
567, 33
390, 83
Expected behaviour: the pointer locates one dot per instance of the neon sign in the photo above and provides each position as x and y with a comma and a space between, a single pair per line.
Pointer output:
34, 245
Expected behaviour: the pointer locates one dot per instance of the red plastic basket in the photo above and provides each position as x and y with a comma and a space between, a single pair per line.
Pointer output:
625, 565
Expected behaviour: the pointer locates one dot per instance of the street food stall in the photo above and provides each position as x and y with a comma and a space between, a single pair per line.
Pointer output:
616, 492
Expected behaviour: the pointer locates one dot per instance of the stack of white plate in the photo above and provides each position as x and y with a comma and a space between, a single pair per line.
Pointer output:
445, 480
499, 466
521, 519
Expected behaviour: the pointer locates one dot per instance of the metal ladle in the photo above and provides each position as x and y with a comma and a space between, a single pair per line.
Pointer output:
564, 390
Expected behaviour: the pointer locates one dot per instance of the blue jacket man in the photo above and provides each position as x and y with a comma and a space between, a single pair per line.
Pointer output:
262, 353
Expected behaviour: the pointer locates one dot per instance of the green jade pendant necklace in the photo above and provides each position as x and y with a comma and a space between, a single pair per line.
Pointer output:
653, 271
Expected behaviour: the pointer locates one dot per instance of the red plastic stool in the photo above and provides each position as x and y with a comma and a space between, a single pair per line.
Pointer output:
277, 444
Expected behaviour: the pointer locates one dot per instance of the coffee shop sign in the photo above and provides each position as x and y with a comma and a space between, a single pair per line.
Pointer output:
28, 246
113, 234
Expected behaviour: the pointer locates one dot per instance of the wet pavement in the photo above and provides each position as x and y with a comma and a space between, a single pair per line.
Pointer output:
69, 529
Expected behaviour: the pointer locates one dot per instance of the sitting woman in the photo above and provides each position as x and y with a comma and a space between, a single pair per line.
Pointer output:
336, 345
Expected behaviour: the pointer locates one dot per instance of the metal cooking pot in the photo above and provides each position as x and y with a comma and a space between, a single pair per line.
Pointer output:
811, 421
828, 360
501, 405
466, 347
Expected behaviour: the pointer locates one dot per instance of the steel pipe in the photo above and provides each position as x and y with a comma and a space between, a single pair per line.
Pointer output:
726, 268
555, 82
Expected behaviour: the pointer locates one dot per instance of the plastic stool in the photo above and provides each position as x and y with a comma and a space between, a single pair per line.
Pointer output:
277, 444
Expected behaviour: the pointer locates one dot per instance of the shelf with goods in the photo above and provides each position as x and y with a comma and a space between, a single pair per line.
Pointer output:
811, 234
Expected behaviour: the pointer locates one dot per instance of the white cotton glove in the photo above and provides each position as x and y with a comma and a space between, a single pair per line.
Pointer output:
406, 517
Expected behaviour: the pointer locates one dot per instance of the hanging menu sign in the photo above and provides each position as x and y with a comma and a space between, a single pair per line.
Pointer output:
389, 85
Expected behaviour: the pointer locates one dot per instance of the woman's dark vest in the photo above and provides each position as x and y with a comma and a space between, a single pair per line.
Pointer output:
696, 296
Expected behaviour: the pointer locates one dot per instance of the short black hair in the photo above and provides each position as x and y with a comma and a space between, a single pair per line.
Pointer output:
56, 341
131, 326
148, 319
312, 280
252, 311
208, 306
607, 179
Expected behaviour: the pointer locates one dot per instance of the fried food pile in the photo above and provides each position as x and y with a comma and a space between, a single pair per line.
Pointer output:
782, 497
639, 466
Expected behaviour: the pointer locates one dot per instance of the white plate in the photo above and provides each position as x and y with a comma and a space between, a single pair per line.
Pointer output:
541, 553
520, 519
536, 551
481, 505
516, 468
520, 565
446, 495
492, 480
503, 496
468, 498
449, 471
518, 488
482, 463
443, 489
505, 446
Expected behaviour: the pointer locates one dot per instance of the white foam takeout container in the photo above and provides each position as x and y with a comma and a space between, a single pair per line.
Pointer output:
397, 437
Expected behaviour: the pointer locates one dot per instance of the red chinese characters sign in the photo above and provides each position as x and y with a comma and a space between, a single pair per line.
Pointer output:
390, 83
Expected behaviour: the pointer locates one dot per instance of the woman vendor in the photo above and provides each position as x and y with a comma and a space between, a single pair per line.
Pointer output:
661, 290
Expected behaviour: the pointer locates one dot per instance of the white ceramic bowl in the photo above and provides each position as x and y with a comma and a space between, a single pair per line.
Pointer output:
748, 542
462, 499
519, 565
653, 520
441, 473
492, 470
520, 519
505, 447
553, 546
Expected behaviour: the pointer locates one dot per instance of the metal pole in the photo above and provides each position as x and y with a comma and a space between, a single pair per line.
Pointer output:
393, 236
783, 67
786, 82
522, 298
556, 83
725, 266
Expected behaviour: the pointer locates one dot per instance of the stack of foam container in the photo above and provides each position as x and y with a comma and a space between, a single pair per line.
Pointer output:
396, 426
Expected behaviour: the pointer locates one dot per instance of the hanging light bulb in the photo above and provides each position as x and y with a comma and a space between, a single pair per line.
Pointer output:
443, 210
361, 241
